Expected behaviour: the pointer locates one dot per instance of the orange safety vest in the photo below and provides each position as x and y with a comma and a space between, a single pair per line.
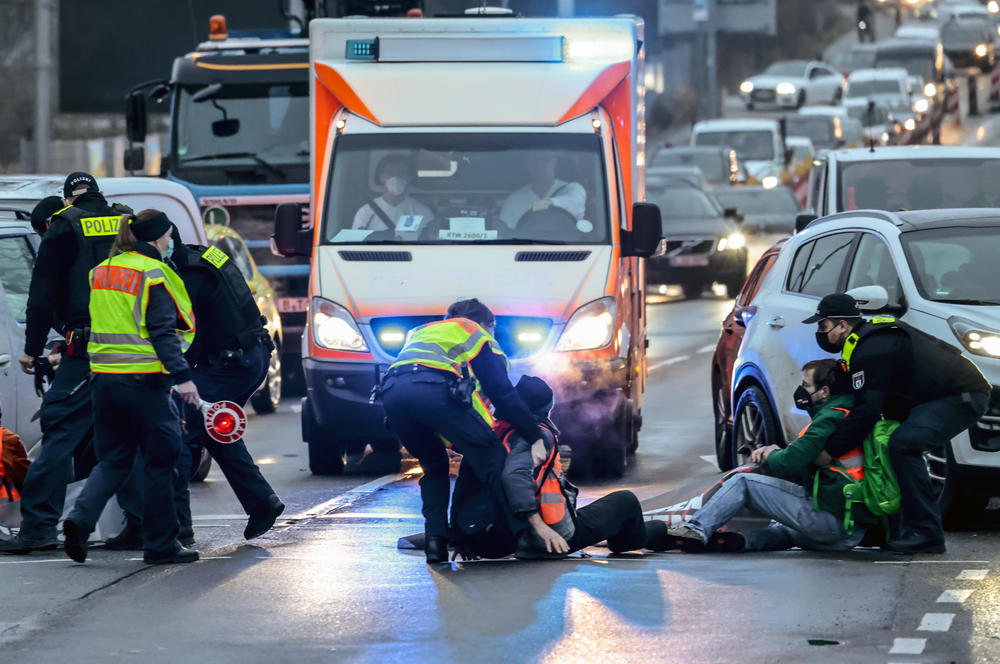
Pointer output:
8, 492
853, 462
548, 490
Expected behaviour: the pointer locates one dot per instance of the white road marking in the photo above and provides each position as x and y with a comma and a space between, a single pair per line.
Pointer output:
954, 596
201, 558
707, 349
908, 646
936, 622
372, 515
26, 562
972, 574
219, 517
927, 562
349, 496
669, 361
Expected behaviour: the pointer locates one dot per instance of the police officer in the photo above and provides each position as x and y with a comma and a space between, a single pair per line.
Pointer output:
230, 356
910, 376
141, 321
77, 238
42, 213
432, 400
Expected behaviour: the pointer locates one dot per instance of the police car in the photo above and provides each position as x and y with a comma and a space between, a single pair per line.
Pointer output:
934, 269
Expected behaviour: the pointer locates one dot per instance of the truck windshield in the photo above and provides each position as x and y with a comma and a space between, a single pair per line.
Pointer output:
261, 127
749, 145
955, 264
919, 184
460, 188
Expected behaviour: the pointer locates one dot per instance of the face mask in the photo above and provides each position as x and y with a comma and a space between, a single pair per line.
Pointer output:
169, 251
395, 185
823, 341
803, 398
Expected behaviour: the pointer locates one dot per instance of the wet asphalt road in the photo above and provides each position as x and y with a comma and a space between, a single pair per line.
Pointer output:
328, 584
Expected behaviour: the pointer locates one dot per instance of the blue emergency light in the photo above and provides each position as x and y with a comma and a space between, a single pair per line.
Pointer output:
362, 49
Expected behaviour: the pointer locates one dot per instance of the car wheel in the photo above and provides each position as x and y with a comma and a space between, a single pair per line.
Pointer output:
200, 471
801, 100
326, 458
692, 289
959, 508
754, 425
266, 399
633, 445
723, 432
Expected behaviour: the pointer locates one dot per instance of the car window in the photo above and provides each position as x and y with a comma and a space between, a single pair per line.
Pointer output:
873, 266
752, 286
237, 251
817, 266
16, 258
956, 264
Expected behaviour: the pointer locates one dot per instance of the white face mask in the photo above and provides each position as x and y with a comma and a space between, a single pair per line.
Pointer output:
396, 185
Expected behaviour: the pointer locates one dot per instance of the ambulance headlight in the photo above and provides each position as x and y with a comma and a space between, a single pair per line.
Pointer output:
591, 326
334, 328
977, 339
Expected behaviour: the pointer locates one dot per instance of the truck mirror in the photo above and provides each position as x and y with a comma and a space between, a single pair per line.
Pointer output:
646, 233
135, 117
803, 219
135, 159
290, 238
225, 127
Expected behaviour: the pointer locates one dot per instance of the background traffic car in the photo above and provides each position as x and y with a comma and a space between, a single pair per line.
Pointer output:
826, 132
728, 347
721, 165
969, 44
792, 84
936, 270
704, 245
771, 210
759, 143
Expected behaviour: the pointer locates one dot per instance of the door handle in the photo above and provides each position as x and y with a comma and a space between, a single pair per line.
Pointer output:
4, 359
777, 321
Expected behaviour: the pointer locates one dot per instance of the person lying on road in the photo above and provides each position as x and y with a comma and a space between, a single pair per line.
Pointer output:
803, 518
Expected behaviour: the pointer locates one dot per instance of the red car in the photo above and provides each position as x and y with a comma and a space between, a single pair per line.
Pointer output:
726, 350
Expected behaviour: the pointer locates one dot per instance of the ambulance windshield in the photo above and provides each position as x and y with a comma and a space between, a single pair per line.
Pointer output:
461, 188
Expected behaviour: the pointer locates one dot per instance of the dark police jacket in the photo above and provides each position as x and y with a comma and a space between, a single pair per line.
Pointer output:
59, 295
894, 367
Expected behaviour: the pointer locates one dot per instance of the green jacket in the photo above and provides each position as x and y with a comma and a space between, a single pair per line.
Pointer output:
795, 461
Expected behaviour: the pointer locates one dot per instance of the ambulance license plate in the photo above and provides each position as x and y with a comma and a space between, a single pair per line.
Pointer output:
688, 261
290, 305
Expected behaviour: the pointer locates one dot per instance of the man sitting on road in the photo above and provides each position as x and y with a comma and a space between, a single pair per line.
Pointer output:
533, 514
803, 520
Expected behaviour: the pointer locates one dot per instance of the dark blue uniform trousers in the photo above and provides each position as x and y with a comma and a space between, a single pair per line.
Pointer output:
132, 414
215, 383
929, 426
67, 421
421, 411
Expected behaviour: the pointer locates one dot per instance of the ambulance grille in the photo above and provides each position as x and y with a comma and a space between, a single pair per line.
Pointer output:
551, 256
378, 256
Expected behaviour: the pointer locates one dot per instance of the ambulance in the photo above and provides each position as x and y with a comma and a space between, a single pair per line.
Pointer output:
492, 157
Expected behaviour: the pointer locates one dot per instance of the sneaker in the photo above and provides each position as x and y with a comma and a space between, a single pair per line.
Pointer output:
688, 539
23, 543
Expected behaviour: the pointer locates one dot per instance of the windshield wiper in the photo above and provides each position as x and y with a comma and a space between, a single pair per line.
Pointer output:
241, 155
987, 303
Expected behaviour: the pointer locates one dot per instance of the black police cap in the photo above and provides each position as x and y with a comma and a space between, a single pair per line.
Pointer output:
79, 182
835, 305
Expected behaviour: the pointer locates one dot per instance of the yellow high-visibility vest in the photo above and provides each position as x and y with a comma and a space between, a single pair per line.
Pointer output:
119, 295
447, 345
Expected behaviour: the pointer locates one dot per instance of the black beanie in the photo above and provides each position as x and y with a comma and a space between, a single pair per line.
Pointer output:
536, 394
152, 228
45, 209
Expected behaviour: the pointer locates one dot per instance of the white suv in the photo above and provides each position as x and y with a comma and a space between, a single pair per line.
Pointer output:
934, 269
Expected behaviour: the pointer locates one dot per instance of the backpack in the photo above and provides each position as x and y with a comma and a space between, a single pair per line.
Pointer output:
879, 491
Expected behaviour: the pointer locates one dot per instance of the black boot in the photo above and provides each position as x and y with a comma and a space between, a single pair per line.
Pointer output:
130, 539
263, 517
76, 540
916, 543
25, 543
182, 555
657, 537
436, 550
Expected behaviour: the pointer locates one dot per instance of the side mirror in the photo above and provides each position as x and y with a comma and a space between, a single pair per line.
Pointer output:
290, 238
803, 219
225, 127
135, 117
135, 158
870, 298
647, 231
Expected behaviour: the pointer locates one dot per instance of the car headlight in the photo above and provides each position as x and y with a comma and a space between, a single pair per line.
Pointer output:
977, 339
334, 328
732, 241
769, 182
993, 7
785, 89
930, 90
591, 326
921, 106
981, 50
909, 124
746, 87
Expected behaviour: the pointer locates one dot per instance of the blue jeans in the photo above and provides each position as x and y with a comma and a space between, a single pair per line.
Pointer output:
798, 522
